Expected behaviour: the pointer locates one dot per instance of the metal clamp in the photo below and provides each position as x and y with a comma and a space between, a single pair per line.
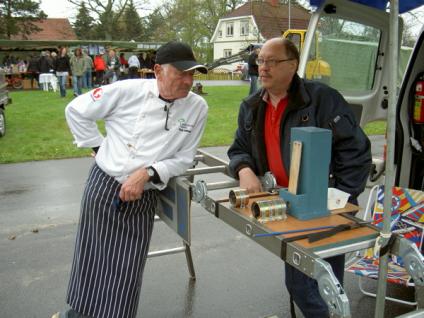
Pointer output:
268, 181
200, 191
413, 259
331, 290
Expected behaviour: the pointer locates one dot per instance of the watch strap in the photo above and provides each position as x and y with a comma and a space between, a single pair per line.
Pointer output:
155, 178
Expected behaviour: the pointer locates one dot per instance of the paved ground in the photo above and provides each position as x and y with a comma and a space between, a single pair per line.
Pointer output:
39, 208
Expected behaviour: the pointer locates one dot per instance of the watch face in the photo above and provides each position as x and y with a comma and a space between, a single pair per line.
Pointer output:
150, 172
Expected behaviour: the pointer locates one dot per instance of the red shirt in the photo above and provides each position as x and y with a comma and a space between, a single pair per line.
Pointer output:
273, 118
99, 63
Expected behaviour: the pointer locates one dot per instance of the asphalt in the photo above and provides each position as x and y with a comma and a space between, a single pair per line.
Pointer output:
39, 209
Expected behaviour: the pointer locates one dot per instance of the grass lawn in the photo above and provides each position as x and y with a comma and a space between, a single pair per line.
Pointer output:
36, 128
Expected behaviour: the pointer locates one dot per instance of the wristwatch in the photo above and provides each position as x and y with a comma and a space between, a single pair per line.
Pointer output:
150, 172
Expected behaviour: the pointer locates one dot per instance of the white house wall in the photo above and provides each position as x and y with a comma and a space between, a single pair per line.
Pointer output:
236, 42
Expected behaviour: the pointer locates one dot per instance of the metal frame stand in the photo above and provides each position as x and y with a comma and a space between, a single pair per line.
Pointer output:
308, 261
185, 248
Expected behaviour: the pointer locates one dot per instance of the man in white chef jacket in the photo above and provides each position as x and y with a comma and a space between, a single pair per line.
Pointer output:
153, 129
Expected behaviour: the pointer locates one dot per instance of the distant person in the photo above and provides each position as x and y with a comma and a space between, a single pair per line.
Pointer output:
87, 79
78, 67
62, 66
133, 67
45, 63
46, 69
123, 66
100, 68
112, 63
33, 69
150, 61
253, 70
53, 57
142, 60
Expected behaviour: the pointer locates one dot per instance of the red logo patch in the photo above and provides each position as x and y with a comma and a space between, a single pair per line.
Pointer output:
97, 93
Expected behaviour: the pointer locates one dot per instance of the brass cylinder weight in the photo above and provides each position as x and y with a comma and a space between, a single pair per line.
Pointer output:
239, 198
269, 210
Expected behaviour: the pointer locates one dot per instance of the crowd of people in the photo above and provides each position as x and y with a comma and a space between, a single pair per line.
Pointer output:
86, 71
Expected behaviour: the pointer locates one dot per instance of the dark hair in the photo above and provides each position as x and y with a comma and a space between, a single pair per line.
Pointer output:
291, 50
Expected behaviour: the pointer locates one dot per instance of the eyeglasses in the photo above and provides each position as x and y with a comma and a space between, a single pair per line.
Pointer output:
270, 63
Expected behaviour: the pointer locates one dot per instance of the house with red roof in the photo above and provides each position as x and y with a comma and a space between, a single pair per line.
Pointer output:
51, 30
255, 22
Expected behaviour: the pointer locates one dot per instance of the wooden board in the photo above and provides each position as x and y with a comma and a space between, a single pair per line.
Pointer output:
295, 166
292, 223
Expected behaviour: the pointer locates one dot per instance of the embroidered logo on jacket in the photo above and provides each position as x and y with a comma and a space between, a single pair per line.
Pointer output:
185, 127
96, 94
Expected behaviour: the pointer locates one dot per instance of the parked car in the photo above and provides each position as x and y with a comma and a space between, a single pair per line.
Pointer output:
354, 40
4, 100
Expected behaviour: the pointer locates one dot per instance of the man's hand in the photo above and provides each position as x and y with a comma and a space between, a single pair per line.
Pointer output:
133, 187
249, 181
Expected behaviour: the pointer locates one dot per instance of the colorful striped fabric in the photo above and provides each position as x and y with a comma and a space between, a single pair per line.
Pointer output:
407, 218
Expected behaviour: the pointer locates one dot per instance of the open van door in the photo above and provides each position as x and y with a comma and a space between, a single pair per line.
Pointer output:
354, 41
409, 145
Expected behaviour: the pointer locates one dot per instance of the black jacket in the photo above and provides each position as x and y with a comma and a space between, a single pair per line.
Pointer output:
310, 104
252, 66
33, 65
62, 64
45, 64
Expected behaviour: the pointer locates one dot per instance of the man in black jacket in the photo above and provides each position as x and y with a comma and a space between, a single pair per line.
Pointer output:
262, 144
252, 69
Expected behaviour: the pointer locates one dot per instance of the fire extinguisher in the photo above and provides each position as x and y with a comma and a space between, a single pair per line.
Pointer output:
419, 102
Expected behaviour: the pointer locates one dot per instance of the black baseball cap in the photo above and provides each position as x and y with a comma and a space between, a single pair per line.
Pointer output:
179, 55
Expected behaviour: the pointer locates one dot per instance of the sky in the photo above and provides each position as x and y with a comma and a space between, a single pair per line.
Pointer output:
57, 8
64, 9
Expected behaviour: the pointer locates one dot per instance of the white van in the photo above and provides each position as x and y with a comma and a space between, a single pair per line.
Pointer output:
354, 40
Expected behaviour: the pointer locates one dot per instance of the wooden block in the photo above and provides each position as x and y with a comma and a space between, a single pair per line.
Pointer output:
27, 83
295, 166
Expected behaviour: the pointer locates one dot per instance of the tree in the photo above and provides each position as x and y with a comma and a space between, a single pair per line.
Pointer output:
17, 17
83, 23
191, 21
132, 23
107, 14
152, 23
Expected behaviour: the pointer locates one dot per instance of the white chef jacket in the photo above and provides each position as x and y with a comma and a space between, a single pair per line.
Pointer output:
134, 117
133, 61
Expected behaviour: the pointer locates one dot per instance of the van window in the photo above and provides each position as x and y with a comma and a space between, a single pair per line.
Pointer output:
345, 54
295, 38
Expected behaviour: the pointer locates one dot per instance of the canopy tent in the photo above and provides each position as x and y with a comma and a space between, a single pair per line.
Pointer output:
396, 7
404, 5
29, 45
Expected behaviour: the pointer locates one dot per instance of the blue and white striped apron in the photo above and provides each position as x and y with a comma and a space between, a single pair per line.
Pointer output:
111, 249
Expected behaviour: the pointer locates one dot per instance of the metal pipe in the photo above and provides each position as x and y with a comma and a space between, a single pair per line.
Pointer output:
289, 14
189, 261
390, 167
200, 158
222, 184
167, 252
204, 170
211, 160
